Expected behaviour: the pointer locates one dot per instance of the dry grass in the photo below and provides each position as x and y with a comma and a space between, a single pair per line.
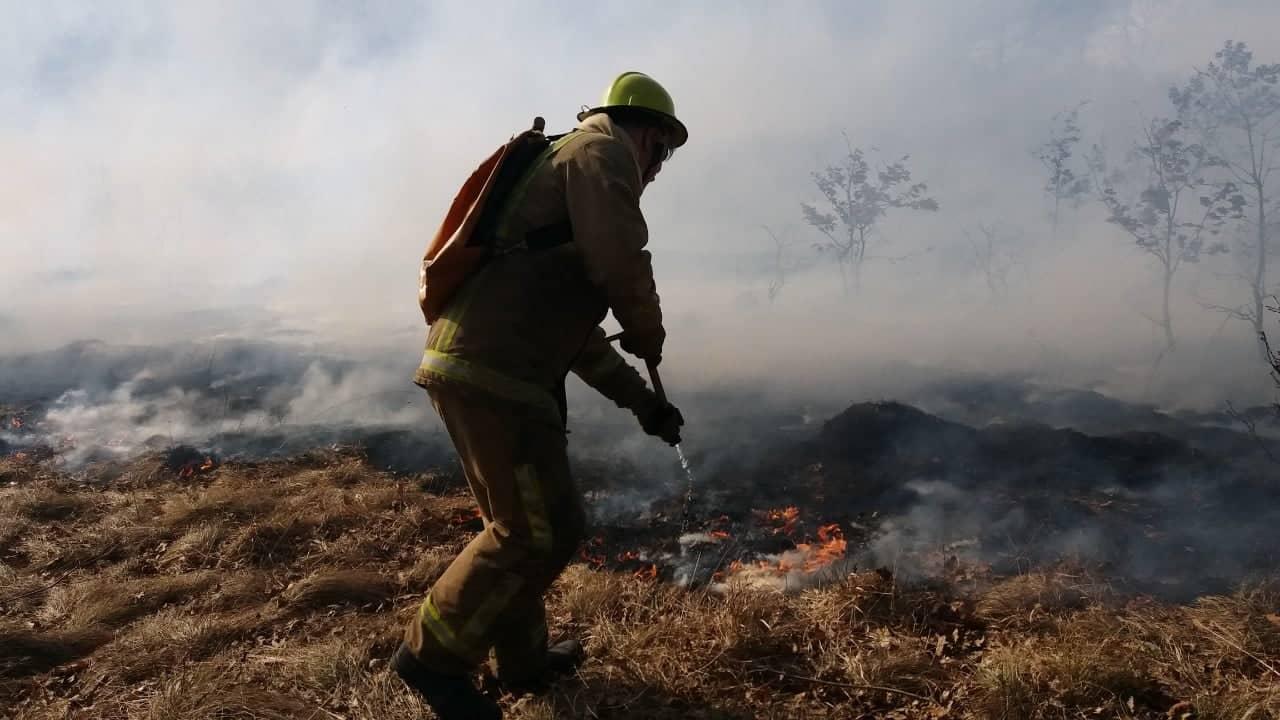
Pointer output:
212, 692
354, 588
12, 530
1030, 599
279, 591
428, 568
18, 471
116, 601
172, 638
24, 651
222, 503
238, 590
20, 593
197, 547
47, 503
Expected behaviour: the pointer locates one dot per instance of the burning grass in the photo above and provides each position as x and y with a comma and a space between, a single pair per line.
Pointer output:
279, 590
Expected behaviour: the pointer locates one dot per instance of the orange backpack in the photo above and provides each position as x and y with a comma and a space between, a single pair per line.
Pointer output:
464, 240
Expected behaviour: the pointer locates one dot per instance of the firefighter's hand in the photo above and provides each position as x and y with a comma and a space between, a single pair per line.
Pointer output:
664, 422
645, 345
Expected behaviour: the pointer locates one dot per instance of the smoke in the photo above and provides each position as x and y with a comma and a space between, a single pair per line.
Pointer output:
91, 401
275, 175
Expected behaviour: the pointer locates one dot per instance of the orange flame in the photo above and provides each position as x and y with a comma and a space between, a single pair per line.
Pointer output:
649, 573
806, 557
786, 519
830, 547
466, 516
590, 553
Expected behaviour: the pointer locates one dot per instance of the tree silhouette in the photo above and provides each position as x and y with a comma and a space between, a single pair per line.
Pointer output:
1174, 209
1057, 154
1236, 107
857, 196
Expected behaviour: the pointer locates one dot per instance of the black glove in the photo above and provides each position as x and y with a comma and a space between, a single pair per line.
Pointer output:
664, 422
647, 345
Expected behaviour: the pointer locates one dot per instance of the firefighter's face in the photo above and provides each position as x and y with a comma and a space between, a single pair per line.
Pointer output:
656, 148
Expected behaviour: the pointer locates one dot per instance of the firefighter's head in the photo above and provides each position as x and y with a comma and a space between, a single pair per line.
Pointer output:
645, 110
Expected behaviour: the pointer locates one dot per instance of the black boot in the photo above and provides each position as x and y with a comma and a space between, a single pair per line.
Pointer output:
451, 697
562, 658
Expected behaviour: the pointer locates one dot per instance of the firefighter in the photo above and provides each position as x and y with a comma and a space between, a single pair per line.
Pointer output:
568, 248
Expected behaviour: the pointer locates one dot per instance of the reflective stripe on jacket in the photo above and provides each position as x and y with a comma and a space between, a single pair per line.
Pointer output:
525, 319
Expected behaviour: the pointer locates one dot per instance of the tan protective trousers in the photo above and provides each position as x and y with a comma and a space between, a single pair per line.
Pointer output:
490, 597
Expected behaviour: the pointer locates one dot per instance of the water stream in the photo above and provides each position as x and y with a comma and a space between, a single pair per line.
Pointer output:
688, 495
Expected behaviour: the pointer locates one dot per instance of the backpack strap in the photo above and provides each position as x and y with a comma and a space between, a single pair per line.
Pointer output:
546, 237
513, 200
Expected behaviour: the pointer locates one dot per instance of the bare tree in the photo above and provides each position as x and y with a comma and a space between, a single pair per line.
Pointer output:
1273, 356
857, 196
992, 255
1057, 154
781, 264
1236, 106
1174, 210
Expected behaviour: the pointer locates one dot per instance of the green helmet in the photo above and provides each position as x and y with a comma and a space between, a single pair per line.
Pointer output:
642, 94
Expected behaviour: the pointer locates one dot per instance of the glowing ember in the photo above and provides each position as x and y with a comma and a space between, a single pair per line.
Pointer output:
591, 554
719, 534
649, 573
466, 516
191, 468
15, 422
628, 556
784, 519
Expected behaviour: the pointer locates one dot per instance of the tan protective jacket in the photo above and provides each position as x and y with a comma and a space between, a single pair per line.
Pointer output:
525, 319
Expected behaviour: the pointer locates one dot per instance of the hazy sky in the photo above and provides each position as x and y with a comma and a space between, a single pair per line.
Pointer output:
275, 169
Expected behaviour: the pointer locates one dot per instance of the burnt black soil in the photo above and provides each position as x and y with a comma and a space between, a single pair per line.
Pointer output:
1159, 513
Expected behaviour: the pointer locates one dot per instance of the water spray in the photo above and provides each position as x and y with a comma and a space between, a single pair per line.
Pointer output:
656, 381
684, 461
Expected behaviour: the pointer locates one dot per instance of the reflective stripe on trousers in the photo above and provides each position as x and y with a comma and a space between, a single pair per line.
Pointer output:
470, 644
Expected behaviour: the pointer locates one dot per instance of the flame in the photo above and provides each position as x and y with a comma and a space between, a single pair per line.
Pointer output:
628, 556
590, 553
785, 519
807, 557
191, 468
830, 547
15, 422
719, 534
466, 516
649, 573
